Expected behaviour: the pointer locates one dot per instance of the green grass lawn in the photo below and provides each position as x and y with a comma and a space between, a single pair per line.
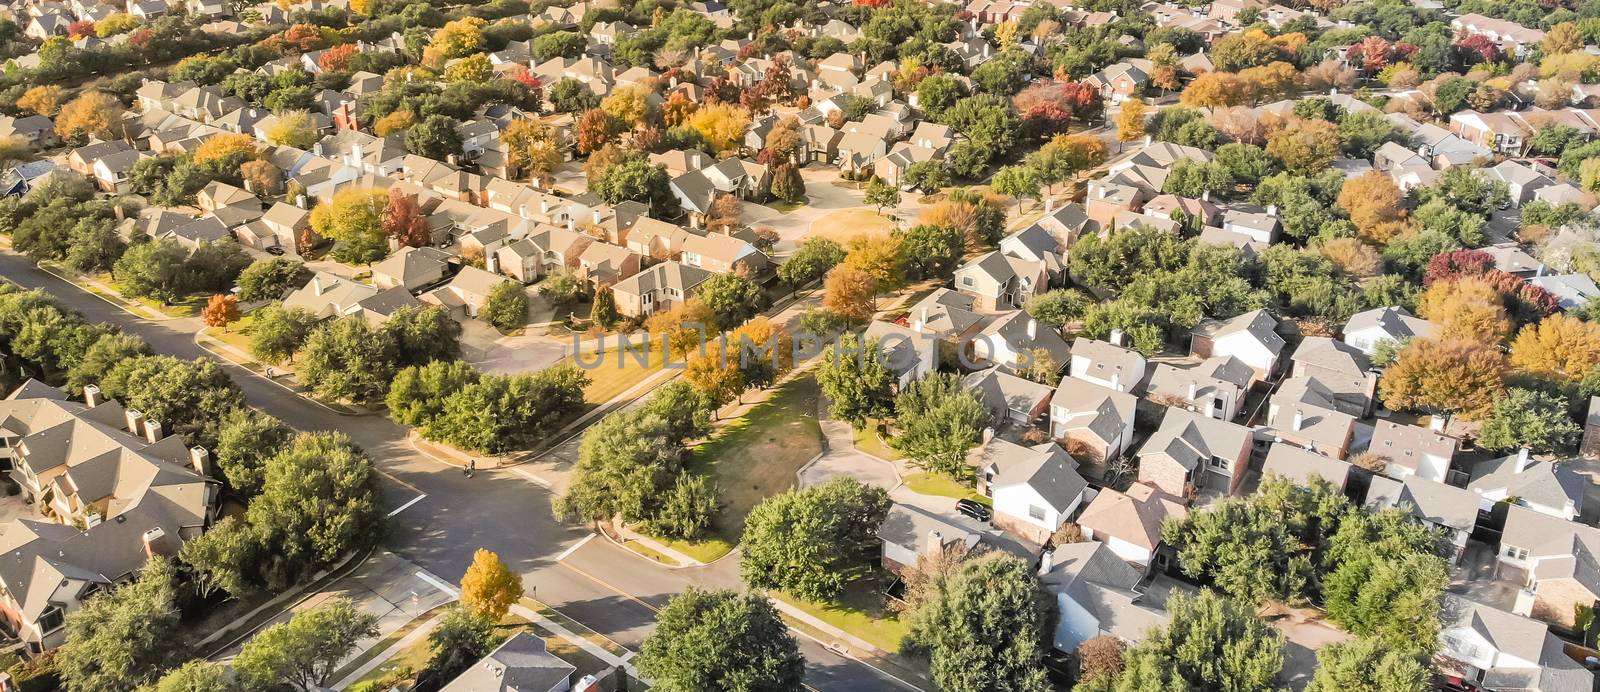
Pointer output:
867, 440
236, 335
183, 307
754, 458
615, 374
860, 610
944, 486
651, 553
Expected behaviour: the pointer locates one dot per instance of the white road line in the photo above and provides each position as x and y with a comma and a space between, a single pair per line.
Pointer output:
575, 547
408, 504
438, 583
536, 480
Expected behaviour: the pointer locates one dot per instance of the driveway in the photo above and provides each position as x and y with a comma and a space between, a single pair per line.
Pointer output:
1304, 633
842, 459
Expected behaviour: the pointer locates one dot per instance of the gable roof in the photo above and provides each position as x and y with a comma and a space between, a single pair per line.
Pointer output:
1045, 468
1135, 516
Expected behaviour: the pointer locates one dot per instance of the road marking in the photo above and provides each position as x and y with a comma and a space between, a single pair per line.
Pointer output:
403, 507
536, 480
620, 592
574, 547
408, 486
438, 583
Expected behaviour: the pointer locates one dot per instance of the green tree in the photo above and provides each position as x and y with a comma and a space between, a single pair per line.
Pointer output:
932, 251
984, 626
1057, 307
125, 637
96, 247
562, 289
1365, 664
189, 398
1209, 643
939, 420
499, 414
271, 279
435, 137
154, 269
1392, 599
812, 542
720, 641
423, 334
419, 392
732, 299
604, 311
927, 176
460, 640
1529, 418
881, 194
687, 510
853, 377
1016, 181
101, 357
348, 360
810, 261
245, 441
506, 307
625, 464
305, 651
276, 332
319, 501
637, 180
787, 184
225, 558
196, 676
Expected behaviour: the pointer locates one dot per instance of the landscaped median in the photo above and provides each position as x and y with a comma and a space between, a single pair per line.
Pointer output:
105, 287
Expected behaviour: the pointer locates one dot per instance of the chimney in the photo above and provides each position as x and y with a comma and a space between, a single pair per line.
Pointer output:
1523, 459
1194, 389
355, 154
544, 207
316, 285
932, 543
1299, 420
570, 224
152, 431
596, 217
1147, 140
1047, 560
1272, 210
121, 213
1116, 337
1033, 328
988, 434
1540, 271
155, 542
1116, 379
921, 321
1205, 196
491, 262
319, 149
201, 460
1211, 407
134, 419
300, 201
1438, 423
91, 395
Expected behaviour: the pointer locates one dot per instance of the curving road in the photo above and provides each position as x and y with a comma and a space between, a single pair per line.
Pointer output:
443, 516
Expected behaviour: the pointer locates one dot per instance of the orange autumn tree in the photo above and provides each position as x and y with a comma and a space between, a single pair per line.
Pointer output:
220, 311
1467, 308
1560, 348
1375, 205
850, 293
1444, 376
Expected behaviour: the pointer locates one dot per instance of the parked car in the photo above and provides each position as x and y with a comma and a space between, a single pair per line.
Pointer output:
974, 509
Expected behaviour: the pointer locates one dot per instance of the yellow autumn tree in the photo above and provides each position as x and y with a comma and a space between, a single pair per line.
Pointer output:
1352, 257
722, 124
225, 145
1375, 205
1558, 347
1213, 89
94, 113
1466, 309
456, 39
293, 129
850, 293
630, 105
474, 68
44, 100
1130, 120
879, 256
489, 588
398, 121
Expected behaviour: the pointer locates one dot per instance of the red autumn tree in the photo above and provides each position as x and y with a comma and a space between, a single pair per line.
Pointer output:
402, 219
596, 129
1449, 265
337, 58
303, 37
220, 311
1476, 48
80, 29
1374, 53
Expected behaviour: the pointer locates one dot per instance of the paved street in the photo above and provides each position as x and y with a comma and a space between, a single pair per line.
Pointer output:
444, 516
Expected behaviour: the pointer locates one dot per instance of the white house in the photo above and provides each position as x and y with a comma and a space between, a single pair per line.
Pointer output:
1251, 337
1367, 329
1106, 364
1035, 489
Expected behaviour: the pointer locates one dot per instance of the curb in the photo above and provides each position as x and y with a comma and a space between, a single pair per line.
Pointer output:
199, 343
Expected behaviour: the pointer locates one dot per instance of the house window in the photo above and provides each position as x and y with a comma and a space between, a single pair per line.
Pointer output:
1219, 464
966, 281
1036, 512
1516, 553
51, 620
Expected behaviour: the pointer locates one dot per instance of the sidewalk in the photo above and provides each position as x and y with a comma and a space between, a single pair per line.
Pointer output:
281, 377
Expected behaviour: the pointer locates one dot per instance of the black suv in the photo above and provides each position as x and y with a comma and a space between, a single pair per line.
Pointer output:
974, 509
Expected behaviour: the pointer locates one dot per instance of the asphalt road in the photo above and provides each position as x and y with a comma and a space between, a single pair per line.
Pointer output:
607, 588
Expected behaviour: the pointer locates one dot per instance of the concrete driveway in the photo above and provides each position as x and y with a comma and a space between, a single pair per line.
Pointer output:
842, 459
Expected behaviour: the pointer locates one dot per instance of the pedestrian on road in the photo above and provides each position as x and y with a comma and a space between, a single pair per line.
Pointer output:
472, 465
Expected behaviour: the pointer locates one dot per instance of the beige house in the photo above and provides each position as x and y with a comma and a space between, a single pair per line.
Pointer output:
658, 288
413, 268
466, 292
1191, 451
998, 281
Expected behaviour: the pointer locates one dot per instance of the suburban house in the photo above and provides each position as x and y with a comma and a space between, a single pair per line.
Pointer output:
1542, 486
466, 292
111, 488
1305, 413
1493, 649
1300, 466
661, 287
1013, 340
722, 254
1251, 337
1410, 450
1094, 422
1009, 398
908, 355
1558, 558
1215, 388
998, 281
1106, 364
1365, 330
1095, 594
1344, 370
910, 533
1130, 523
327, 296
412, 268
1191, 451
946, 313
520, 664
1445, 507
1035, 489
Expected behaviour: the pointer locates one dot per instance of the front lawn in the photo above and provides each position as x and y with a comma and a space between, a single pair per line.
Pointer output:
868, 441
842, 225
616, 373
860, 610
943, 486
236, 334
756, 457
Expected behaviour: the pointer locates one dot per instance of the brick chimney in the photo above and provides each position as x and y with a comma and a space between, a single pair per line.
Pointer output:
153, 431
135, 420
91, 395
